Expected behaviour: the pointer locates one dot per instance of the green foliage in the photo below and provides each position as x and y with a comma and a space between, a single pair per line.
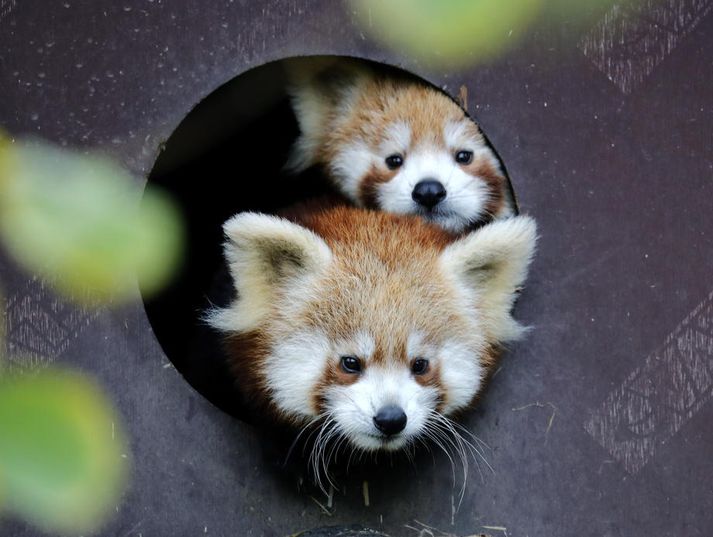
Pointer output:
463, 33
62, 451
75, 220
447, 32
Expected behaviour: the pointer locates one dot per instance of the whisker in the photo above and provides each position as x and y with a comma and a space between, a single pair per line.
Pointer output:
299, 435
479, 451
434, 437
315, 461
458, 448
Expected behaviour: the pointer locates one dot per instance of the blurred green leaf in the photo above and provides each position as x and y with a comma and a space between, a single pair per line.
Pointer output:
75, 220
447, 32
62, 451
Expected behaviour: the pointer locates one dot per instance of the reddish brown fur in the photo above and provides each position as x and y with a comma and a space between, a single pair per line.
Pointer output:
246, 354
333, 375
430, 378
399, 236
369, 184
483, 168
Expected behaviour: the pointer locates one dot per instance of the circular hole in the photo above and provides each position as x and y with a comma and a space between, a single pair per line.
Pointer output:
227, 156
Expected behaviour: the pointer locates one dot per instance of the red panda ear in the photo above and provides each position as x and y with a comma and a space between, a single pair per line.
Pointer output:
489, 265
318, 87
266, 255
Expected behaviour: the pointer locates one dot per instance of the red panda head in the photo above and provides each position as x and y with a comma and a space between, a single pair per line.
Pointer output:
397, 145
378, 324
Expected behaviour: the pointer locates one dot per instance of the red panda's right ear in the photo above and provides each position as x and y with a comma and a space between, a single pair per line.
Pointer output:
266, 255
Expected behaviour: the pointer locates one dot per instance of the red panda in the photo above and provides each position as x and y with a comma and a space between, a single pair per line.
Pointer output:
391, 142
376, 324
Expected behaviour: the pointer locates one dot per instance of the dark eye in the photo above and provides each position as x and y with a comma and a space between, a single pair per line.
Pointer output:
351, 364
419, 366
464, 157
394, 161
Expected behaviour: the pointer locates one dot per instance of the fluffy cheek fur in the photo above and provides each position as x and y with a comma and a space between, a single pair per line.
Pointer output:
349, 165
293, 370
461, 374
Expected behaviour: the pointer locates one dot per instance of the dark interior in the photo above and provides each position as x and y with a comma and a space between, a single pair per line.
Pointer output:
224, 158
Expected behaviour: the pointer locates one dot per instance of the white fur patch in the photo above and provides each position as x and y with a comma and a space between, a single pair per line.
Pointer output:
461, 374
311, 112
397, 139
311, 100
415, 345
361, 345
456, 135
294, 368
350, 166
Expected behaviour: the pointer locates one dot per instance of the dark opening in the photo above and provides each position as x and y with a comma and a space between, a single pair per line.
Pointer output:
227, 156
224, 158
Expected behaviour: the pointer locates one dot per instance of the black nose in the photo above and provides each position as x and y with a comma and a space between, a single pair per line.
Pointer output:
390, 420
428, 193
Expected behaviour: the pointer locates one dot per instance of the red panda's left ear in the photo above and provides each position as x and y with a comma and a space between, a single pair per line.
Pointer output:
489, 265
266, 255
318, 88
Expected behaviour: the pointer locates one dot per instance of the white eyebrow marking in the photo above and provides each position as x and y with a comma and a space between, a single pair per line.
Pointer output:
397, 138
360, 344
414, 343
457, 135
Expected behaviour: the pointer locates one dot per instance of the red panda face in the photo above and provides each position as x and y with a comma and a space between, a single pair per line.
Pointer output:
396, 395
380, 353
376, 326
446, 175
399, 146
